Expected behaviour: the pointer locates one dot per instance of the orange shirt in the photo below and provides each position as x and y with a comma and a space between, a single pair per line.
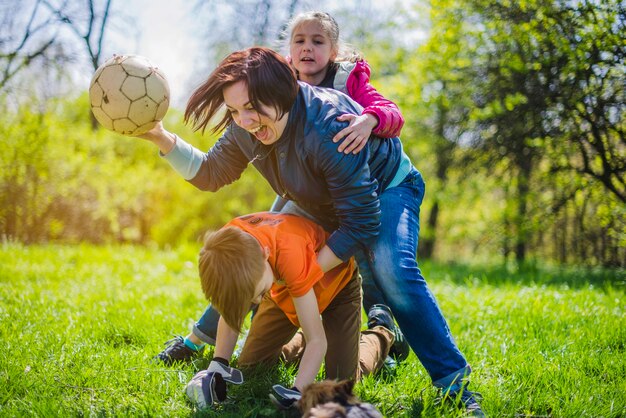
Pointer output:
293, 242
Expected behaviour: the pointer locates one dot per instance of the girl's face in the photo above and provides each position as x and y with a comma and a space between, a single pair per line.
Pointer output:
267, 129
311, 50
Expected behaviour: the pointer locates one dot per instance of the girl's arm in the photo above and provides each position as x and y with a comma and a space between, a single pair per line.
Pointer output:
315, 350
380, 117
390, 120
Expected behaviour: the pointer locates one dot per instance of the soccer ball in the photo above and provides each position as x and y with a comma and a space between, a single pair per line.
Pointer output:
129, 94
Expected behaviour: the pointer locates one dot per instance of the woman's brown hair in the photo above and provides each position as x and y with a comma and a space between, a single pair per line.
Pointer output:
270, 79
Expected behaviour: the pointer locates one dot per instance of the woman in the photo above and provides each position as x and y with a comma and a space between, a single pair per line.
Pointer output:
369, 200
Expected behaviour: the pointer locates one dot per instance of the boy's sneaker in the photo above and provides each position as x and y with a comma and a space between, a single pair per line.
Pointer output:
466, 399
380, 315
176, 351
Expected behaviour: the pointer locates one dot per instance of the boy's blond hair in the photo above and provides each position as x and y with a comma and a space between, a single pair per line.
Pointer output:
231, 264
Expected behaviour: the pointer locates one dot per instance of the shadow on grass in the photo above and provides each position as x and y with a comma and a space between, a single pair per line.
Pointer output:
528, 274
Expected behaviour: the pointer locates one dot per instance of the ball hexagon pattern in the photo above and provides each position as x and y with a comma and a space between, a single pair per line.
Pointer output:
128, 94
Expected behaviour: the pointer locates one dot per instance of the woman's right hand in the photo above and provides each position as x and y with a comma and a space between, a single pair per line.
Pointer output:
160, 137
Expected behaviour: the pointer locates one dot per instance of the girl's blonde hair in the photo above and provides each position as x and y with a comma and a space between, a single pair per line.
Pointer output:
345, 52
231, 264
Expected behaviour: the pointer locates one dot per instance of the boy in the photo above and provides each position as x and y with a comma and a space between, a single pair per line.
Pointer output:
270, 259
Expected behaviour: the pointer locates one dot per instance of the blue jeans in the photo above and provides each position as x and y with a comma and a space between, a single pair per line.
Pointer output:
392, 276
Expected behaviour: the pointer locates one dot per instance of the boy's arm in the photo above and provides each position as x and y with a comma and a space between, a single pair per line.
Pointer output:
315, 350
209, 386
225, 340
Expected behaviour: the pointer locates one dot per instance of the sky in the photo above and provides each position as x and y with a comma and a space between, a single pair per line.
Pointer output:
164, 33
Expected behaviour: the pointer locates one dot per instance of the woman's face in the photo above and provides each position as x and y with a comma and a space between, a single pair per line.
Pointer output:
311, 50
267, 129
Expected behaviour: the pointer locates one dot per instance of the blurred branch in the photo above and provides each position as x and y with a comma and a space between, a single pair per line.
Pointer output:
94, 46
18, 58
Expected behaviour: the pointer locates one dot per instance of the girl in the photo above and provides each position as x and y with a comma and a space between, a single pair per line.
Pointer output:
319, 60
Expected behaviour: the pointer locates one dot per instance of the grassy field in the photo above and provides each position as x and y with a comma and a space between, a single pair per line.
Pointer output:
79, 326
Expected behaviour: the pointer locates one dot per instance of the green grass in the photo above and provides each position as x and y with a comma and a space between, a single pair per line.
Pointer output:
79, 326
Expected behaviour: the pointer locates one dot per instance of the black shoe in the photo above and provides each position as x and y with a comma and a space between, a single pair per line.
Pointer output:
380, 315
176, 351
467, 400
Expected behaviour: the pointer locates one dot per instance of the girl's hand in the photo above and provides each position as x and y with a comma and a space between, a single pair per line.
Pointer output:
356, 134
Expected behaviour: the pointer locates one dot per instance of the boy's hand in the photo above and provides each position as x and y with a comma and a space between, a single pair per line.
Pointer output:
205, 388
285, 398
230, 374
209, 386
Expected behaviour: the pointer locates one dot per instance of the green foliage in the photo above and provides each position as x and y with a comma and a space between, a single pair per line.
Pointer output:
64, 181
514, 114
79, 326
499, 120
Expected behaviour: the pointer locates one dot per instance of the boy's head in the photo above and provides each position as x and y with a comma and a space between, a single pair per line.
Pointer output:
233, 272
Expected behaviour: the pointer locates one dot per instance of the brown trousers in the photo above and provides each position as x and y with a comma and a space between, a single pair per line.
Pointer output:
351, 354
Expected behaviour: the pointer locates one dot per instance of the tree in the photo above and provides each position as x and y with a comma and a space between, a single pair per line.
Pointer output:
24, 38
257, 23
441, 105
88, 25
549, 83
584, 45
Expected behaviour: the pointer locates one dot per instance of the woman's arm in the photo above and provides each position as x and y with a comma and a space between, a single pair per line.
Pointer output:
160, 137
220, 166
316, 344
354, 194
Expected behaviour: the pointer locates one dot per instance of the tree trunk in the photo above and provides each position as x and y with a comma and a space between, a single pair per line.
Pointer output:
443, 154
427, 245
523, 180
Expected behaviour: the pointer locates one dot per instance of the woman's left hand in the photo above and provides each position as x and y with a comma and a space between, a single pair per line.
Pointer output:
356, 134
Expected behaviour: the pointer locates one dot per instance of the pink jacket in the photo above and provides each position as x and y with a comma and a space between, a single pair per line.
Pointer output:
353, 78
